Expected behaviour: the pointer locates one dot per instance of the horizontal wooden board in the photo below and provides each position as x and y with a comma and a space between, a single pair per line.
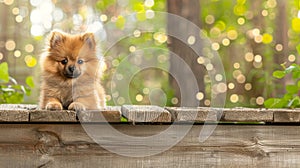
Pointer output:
107, 114
59, 145
18, 107
52, 116
14, 116
192, 114
247, 115
286, 115
150, 114
145, 113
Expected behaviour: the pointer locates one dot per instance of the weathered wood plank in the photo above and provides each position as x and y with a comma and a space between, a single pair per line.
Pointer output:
286, 115
134, 113
145, 113
108, 114
15, 112
247, 115
192, 114
59, 145
14, 116
18, 107
52, 116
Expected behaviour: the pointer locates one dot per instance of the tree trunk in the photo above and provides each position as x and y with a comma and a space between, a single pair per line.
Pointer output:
4, 30
281, 37
190, 10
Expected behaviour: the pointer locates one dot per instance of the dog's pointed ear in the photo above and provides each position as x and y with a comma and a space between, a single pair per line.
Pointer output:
56, 39
89, 40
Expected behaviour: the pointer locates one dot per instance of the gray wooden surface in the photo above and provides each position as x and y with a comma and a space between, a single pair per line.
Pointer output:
148, 114
67, 145
38, 138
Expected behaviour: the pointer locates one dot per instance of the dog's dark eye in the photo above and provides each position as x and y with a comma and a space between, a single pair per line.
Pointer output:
64, 62
80, 61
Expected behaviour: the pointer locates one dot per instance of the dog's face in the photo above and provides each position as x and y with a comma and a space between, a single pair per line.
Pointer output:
70, 54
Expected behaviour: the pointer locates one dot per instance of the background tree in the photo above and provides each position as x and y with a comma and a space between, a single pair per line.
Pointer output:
189, 10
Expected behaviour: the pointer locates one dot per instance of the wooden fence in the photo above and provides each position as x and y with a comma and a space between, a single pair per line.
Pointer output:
243, 137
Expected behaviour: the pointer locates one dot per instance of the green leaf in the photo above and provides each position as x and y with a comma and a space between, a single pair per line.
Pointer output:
4, 76
290, 69
279, 74
15, 98
123, 119
27, 91
288, 96
296, 75
272, 103
294, 102
293, 89
29, 81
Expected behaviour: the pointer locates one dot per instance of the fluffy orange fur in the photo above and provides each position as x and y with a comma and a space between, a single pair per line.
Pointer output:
71, 74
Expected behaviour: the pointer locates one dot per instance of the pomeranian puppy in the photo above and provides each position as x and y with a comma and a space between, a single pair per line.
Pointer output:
71, 73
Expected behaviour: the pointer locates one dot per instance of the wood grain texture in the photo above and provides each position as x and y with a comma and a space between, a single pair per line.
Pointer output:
150, 114
14, 116
192, 114
59, 145
145, 113
52, 116
108, 114
247, 114
18, 106
286, 115
15, 112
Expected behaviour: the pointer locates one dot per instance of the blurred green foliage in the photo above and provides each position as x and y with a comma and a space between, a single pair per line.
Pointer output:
10, 90
291, 98
252, 37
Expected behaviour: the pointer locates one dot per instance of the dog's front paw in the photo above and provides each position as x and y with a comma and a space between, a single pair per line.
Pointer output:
54, 106
76, 106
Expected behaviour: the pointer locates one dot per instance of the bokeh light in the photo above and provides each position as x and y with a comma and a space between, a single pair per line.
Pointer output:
149, 3
247, 39
10, 45
248, 86
132, 49
103, 18
215, 46
209, 19
174, 100
249, 56
241, 21
15, 11
292, 58
279, 47
29, 48
231, 85
260, 100
191, 40
30, 61
234, 98
139, 97
8, 2
232, 34
200, 96
17, 53
226, 42
137, 33
236, 65
1, 56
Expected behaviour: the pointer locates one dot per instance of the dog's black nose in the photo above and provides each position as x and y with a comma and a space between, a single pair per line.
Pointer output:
72, 68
